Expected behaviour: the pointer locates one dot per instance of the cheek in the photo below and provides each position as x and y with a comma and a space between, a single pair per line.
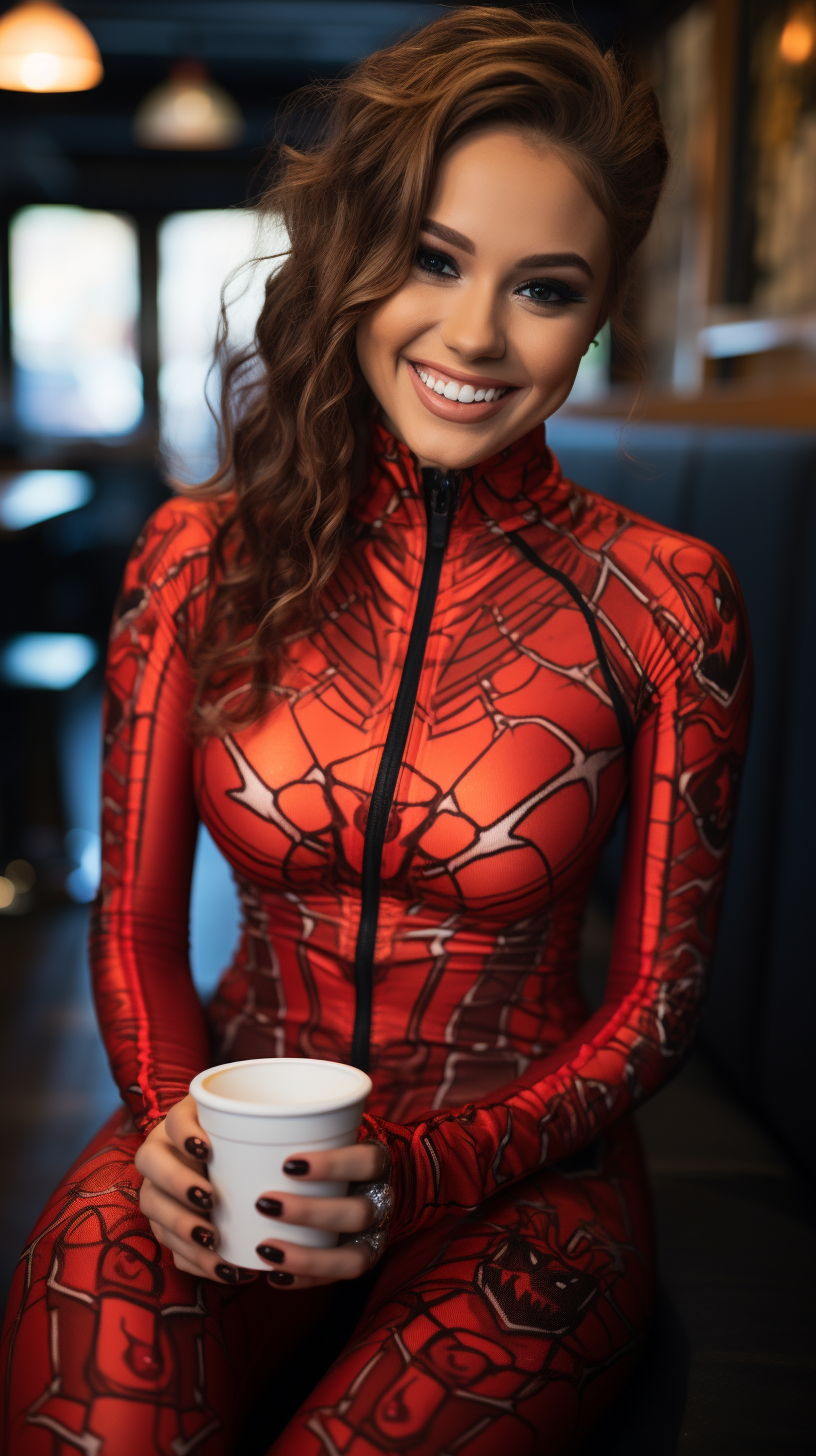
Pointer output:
552, 353
395, 324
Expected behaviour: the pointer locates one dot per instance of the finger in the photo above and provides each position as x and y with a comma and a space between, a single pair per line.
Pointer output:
186, 1267
339, 1215
279, 1279
174, 1172
185, 1131
205, 1265
359, 1163
346, 1261
159, 1207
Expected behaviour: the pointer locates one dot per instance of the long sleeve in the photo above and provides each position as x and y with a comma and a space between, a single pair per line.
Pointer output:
685, 772
151, 1018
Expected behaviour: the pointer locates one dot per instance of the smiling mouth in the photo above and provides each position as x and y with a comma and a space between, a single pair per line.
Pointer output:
452, 389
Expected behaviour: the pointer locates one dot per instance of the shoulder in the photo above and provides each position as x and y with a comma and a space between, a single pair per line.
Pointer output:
679, 594
169, 567
182, 528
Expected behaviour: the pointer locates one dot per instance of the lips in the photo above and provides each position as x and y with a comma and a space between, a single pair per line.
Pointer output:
460, 398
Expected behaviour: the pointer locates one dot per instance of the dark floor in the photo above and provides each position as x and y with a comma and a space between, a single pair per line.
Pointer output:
737, 1244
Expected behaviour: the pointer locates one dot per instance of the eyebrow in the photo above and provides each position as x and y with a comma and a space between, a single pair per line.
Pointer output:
535, 260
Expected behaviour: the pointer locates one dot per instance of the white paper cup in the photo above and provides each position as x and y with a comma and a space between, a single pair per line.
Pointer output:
257, 1114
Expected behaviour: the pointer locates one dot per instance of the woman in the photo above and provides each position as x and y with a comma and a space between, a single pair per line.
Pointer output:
406, 674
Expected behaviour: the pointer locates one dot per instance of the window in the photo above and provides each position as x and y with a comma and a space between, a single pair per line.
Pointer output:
200, 252
74, 313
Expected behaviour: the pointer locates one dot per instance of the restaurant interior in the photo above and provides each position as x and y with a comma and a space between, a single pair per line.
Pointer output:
126, 221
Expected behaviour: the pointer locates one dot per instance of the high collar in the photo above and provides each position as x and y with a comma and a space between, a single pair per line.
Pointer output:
509, 488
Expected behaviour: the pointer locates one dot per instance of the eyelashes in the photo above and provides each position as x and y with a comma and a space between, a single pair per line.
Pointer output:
441, 265
563, 292
431, 261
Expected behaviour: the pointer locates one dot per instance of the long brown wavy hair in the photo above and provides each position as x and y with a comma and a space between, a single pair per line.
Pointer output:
295, 406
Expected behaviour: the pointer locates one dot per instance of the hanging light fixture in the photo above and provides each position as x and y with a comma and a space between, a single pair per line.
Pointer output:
45, 48
188, 112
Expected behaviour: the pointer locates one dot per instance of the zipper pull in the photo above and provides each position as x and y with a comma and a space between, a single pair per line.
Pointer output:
441, 499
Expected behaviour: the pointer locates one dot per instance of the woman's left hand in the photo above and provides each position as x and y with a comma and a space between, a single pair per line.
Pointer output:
294, 1266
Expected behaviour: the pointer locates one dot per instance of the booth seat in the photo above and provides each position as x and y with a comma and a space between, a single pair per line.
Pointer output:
731, 1360
752, 494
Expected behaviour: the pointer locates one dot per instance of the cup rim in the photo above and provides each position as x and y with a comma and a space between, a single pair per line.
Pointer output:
217, 1103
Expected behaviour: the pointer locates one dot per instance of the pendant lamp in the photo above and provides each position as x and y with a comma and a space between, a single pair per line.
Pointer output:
45, 48
188, 112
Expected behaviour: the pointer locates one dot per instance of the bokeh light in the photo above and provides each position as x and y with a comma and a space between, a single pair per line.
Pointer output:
797, 40
74, 317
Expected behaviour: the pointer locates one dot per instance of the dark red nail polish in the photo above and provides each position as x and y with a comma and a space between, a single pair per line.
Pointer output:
197, 1149
268, 1251
270, 1206
203, 1236
200, 1197
232, 1275
296, 1167
280, 1276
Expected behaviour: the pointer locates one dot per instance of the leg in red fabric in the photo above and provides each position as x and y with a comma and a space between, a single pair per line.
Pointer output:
509, 1331
108, 1349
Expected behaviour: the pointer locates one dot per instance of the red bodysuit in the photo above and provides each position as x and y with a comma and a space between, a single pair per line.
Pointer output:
413, 827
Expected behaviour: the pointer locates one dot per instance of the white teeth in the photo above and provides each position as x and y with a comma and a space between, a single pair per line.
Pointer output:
462, 393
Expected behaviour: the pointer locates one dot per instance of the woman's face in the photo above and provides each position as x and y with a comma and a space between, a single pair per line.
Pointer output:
483, 339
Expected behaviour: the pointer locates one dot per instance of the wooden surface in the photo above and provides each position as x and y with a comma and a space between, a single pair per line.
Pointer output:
790, 406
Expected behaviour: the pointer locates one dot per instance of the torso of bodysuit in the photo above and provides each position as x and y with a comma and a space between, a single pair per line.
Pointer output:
512, 771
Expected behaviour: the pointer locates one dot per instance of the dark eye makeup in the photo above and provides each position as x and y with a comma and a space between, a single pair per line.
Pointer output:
431, 260
550, 290
545, 291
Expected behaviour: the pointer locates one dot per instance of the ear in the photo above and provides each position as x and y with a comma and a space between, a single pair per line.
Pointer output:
599, 323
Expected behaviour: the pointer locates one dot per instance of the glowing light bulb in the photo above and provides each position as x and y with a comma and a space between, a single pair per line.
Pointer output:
188, 112
797, 41
45, 48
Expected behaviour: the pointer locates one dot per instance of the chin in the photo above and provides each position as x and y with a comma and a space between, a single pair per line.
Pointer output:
457, 447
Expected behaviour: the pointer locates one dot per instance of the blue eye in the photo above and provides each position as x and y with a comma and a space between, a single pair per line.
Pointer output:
550, 290
430, 261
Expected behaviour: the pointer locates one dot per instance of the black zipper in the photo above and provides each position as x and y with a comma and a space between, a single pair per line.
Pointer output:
441, 492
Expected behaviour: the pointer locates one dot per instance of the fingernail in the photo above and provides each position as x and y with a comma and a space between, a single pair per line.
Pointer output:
200, 1197
271, 1206
197, 1149
296, 1167
203, 1236
280, 1276
233, 1275
268, 1251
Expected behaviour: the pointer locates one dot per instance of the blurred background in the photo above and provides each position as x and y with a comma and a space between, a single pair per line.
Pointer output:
133, 141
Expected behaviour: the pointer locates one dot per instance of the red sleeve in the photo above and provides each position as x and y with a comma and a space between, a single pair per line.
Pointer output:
685, 771
151, 1018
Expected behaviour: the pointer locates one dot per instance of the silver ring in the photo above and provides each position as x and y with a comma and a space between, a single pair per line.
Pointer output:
381, 1197
374, 1240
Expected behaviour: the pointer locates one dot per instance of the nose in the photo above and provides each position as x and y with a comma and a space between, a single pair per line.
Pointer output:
472, 326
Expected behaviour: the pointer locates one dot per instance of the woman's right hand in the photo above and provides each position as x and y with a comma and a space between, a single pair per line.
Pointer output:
176, 1196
